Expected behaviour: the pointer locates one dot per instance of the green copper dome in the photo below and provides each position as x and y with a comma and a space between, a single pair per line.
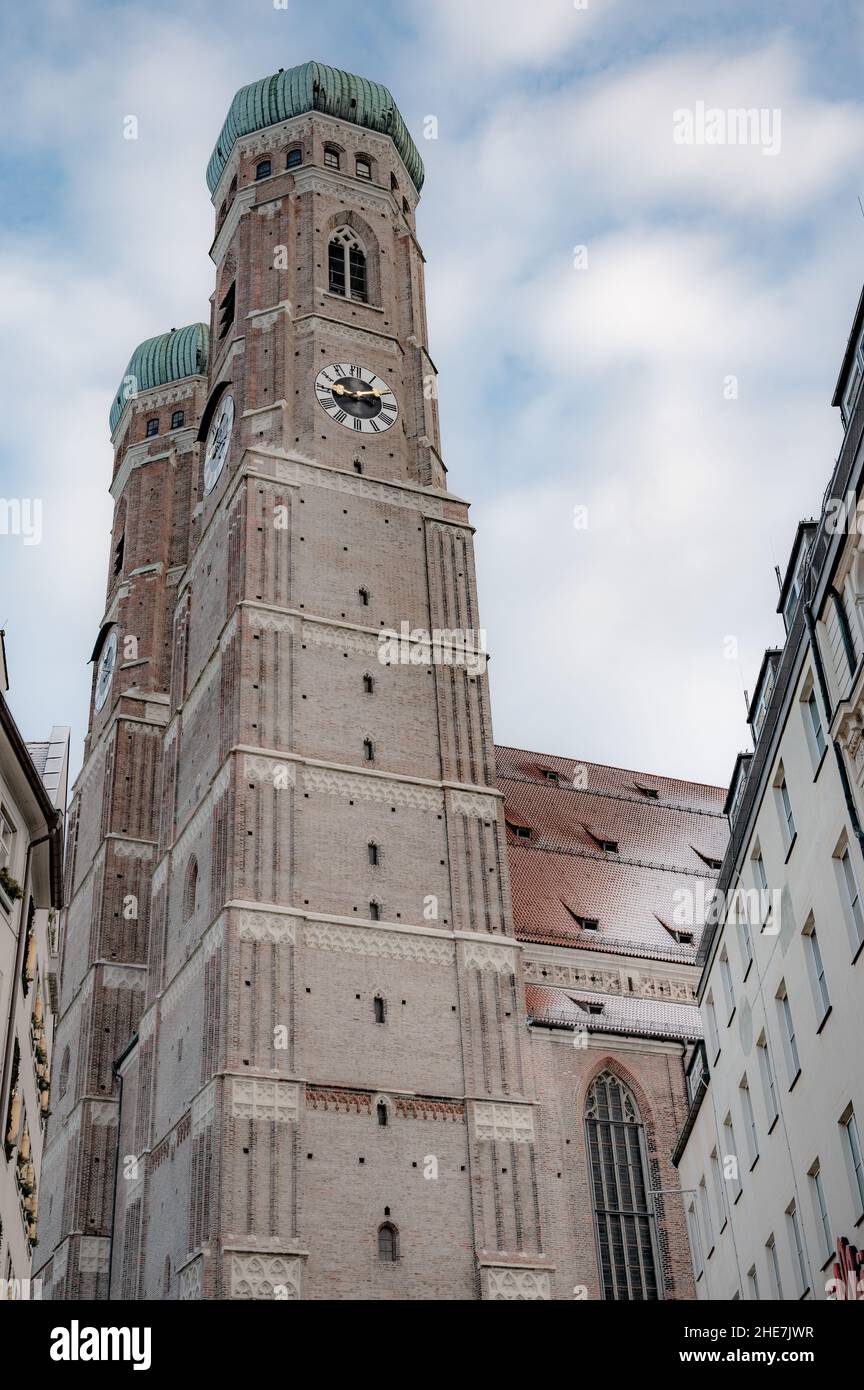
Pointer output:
155, 362
314, 87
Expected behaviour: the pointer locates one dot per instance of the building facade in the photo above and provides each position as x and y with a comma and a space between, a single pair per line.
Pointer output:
308, 1048
770, 1155
33, 781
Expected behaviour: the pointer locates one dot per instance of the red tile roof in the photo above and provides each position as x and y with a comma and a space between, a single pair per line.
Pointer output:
560, 1008
560, 872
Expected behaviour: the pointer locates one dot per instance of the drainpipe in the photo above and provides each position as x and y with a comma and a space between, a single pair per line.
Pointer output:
851, 808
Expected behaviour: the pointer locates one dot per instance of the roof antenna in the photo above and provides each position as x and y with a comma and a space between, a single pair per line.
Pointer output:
777, 567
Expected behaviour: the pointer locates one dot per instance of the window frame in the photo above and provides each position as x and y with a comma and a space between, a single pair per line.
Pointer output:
816, 972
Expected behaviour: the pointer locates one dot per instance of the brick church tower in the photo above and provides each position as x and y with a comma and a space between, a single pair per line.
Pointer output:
293, 1045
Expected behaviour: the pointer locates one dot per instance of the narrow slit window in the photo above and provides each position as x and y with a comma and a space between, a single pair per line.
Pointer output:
368, 750
379, 1009
368, 685
373, 853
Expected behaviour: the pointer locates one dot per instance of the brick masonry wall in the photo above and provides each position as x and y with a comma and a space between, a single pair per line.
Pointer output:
228, 787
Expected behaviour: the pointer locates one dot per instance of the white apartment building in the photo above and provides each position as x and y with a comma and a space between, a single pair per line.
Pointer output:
33, 780
771, 1152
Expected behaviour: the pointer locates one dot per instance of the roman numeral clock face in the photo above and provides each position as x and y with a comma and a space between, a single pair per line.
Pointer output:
356, 398
218, 441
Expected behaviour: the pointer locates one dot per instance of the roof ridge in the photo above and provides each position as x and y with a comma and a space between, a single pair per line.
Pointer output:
611, 767
612, 795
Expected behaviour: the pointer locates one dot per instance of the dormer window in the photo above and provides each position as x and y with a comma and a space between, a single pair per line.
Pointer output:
607, 845
362, 167
582, 922
331, 157
549, 775
590, 1006
709, 859
650, 792
264, 169
522, 832
295, 158
152, 428
683, 938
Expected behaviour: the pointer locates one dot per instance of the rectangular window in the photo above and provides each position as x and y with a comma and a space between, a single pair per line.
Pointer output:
774, 1267
753, 1281
726, 977
695, 1242
820, 1210
717, 1179
816, 970
799, 1262
706, 1215
813, 727
768, 1084
784, 809
711, 1028
851, 897
761, 878
745, 940
7, 835
853, 1153
749, 1120
732, 1152
787, 1025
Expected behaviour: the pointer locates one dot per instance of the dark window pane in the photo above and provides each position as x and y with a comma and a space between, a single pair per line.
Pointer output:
336, 264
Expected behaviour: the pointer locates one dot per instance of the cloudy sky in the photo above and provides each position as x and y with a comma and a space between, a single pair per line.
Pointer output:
639, 423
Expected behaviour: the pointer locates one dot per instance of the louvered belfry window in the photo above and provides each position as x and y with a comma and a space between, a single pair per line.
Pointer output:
346, 261
623, 1216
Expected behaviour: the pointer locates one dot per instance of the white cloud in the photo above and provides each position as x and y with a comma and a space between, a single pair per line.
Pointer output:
509, 33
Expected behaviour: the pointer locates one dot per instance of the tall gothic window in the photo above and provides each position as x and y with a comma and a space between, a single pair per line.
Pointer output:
346, 262
388, 1243
623, 1216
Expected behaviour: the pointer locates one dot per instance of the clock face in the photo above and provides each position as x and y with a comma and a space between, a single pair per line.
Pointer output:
356, 398
218, 441
105, 672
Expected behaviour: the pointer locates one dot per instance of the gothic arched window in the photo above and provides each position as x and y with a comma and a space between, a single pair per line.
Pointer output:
623, 1212
64, 1074
346, 262
190, 890
388, 1243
